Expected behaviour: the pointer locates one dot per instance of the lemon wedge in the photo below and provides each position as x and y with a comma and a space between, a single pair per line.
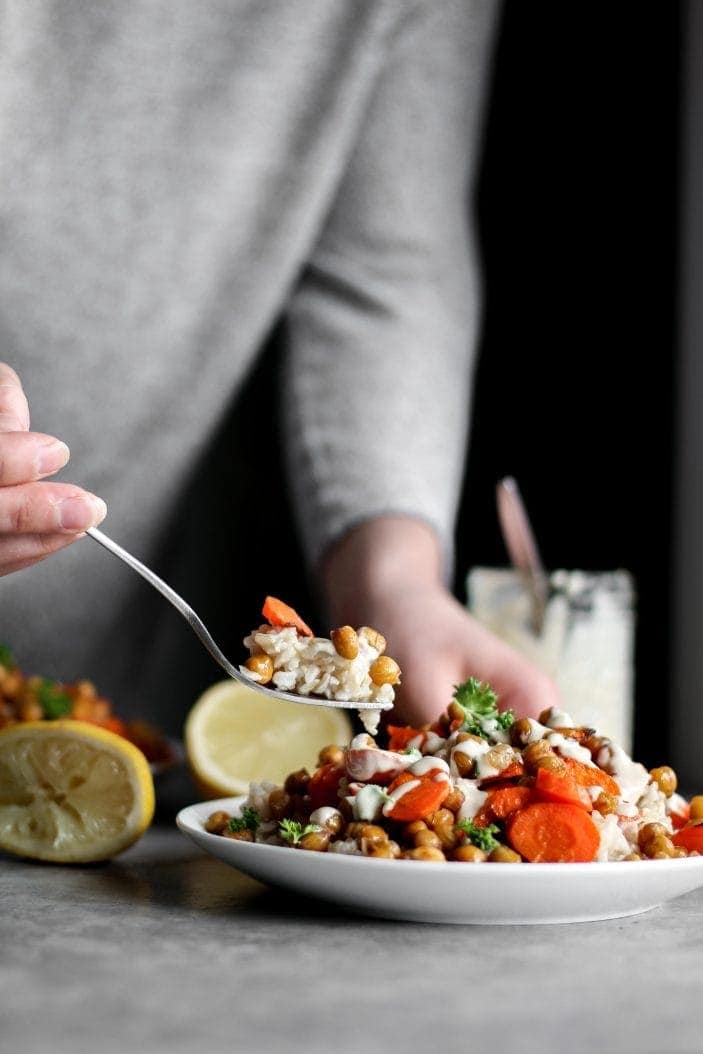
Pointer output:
234, 734
71, 792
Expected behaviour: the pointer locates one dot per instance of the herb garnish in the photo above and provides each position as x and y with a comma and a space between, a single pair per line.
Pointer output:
53, 700
480, 704
482, 837
248, 821
7, 659
293, 831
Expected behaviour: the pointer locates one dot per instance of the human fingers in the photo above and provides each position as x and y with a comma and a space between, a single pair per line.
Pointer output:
14, 408
48, 508
28, 456
20, 551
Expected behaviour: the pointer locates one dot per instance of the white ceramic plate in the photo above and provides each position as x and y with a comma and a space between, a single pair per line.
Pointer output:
488, 894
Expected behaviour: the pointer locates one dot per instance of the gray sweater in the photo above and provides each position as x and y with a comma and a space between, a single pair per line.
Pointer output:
178, 175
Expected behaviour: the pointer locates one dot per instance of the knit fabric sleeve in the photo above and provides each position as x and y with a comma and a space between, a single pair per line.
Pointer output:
381, 328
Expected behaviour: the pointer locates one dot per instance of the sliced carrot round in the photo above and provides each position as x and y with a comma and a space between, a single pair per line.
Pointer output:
504, 802
419, 801
590, 776
550, 786
548, 832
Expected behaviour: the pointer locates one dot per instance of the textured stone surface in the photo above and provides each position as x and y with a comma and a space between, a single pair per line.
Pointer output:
166, 949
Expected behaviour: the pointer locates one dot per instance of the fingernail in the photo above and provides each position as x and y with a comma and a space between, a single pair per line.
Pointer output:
80, 513
52, 457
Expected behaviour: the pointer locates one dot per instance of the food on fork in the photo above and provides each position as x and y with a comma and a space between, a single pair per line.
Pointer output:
476, 786
349, 665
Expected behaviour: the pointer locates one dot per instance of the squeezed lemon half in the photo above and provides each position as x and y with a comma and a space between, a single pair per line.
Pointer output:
235, 734
71, 792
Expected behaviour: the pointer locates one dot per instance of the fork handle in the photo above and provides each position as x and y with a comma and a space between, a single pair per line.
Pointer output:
184, 609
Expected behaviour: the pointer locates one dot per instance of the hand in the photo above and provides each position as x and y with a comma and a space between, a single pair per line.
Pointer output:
386, 574
36, 518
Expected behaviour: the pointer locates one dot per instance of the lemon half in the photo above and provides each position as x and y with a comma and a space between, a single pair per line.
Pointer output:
235, 734
71, 792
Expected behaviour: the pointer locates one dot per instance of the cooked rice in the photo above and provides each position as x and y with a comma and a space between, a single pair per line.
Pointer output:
312, 666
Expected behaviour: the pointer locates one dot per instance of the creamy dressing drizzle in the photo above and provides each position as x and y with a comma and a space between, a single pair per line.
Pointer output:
323, 814
569, 748
473, 798
398, 793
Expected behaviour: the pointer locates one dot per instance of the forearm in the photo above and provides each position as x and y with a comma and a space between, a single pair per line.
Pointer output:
385, 556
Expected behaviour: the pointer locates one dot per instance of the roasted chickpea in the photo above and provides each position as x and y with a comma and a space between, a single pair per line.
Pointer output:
424, 852
697, 807
217, 821
373, 638
382, 852
534, 751
411, 829
30, 710
280, 804
464, 765
469, 854
447, 835
633, 856
262, 666
665, 778
331, 755
239, 836
501, 755
384, 670
679, 851
606, 803
440, 818
546, 716
651, 831
315, 841
520, 732
502, 854
658, 847
456, 712
297, 782
454, 800
372, 833
552, 763
427, 838
346, 642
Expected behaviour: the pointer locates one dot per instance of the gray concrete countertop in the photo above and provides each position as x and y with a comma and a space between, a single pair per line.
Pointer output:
166, 949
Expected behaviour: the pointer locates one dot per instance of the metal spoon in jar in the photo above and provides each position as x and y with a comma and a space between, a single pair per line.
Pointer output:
205, 638
522, 548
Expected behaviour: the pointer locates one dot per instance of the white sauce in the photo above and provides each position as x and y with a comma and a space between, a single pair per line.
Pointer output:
632, 777
473, 798
559, 718
365, 763
323, 814
428, 764
398, 793
368, 803
569, 748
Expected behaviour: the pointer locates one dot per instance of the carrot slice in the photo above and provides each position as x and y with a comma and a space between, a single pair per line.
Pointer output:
588, 776
400, 736
550, 786
280, 614
690, 837
419, 801
548, 832
510, 772
502, 803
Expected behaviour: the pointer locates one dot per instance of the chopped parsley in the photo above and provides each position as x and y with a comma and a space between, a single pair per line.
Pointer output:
7, 659
293, 831
480, 705
53, 700
248, 821
482, 837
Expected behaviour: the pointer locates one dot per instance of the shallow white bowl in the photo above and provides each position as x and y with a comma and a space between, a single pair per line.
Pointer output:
486, 894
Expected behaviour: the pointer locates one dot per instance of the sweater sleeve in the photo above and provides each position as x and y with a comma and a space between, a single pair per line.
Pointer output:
382, 326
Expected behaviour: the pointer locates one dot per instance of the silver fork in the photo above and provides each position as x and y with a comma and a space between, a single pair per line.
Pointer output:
205, 638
